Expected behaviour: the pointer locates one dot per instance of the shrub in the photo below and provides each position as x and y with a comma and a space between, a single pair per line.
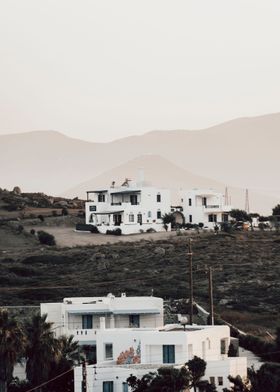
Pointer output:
46, 238
64, 211
114, 232
94, 229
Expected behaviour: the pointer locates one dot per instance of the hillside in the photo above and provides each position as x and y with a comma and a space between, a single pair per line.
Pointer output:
242, 153
246, 287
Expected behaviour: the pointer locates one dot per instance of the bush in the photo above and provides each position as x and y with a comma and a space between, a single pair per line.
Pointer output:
64, 211
150, 230
94, 229
46, 238
114, 232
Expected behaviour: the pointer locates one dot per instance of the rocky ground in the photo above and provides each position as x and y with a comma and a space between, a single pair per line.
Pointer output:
245, 278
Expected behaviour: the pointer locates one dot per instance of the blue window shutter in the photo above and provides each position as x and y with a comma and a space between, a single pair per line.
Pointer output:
108, 386
168, 353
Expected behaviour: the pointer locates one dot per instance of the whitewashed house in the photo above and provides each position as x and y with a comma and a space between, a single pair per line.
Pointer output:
131, 208
137, 351
82, 316
204, 206
125, 335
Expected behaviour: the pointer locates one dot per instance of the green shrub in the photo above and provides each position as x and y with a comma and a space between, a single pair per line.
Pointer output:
46, 238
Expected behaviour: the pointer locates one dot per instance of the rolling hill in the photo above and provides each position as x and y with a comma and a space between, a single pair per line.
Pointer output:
242, 153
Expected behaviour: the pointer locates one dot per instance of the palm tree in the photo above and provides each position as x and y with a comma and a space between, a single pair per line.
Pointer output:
70, 356
42, 350
12, 341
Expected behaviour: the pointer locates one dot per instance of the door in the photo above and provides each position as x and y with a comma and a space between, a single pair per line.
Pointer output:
117, 219
139, 219
86, 321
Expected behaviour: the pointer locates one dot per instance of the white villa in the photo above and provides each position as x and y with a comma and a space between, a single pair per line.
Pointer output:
131, 208
204, 206
125, 335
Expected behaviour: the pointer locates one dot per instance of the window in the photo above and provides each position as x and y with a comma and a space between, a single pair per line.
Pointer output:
168, 353
92, 208
158, 197
131, 218
204, 201
108, 351
212, 380
133, 200
220, 381
101, 198
134, 320
190, 202
212, 218
190, 218
158, 214
223, 346
108, 386
225, 218
149, 214
125, 387
86, 321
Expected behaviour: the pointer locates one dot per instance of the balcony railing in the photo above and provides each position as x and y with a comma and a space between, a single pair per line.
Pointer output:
119, 203
213, 206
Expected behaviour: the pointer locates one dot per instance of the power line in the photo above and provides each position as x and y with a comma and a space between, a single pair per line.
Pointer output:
47, 382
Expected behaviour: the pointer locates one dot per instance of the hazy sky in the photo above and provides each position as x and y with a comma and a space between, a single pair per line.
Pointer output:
101, 70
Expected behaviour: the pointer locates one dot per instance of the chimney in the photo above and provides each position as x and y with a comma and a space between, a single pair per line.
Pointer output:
140, 176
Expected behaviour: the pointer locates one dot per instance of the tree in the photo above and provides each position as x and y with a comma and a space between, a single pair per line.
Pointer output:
12, 340
197, 368
42, 350
276, 210
70, 357
168, 218
166, 379
240, 215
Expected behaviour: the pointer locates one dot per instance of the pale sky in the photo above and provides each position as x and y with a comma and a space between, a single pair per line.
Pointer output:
101, 70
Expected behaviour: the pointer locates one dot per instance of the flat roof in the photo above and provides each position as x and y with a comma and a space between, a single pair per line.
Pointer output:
126, 191
107, 212
98, 191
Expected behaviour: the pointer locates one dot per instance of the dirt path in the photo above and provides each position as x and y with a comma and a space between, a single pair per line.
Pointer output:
68, 237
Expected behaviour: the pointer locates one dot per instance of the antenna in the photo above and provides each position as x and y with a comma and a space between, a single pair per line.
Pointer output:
247, 205
226, 197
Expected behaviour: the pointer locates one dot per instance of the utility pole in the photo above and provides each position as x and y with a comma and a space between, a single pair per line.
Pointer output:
84, 377
190, 254
210, 287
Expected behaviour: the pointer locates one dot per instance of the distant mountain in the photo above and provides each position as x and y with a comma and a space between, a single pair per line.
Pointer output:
243, 153
160, 172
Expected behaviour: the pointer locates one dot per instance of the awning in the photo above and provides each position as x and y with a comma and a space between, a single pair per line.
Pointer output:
89, 311
136, 311
107, 212
126, 191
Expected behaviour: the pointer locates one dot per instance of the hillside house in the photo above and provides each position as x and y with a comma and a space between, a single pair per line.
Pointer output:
204, 206
122, 352
132, 208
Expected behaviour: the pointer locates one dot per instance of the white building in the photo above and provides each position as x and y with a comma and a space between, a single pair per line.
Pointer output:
81, 317
204, 206
124, 336
129, 207
122, 352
